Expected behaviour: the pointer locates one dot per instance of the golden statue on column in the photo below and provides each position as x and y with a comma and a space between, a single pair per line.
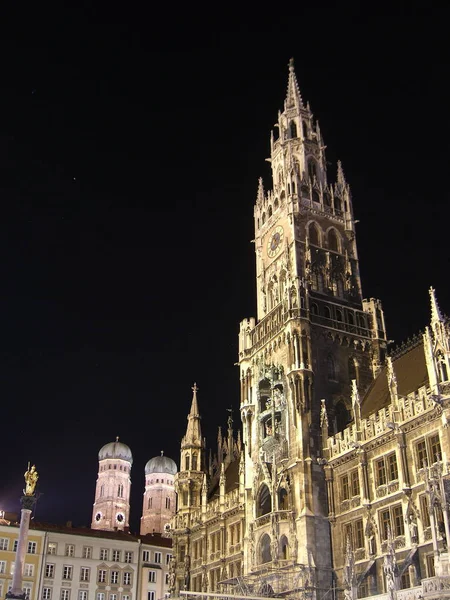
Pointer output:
31, 476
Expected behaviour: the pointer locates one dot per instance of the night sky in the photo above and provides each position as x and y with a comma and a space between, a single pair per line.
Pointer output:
130, 149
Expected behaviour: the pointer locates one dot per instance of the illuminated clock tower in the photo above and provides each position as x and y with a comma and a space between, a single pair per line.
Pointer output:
313, 335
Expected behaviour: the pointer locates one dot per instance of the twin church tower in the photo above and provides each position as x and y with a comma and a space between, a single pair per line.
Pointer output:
112, 494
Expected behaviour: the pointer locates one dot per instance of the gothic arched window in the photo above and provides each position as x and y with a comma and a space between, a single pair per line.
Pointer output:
293, 129
314, 309
275, 204
265, 551
187, 463
120, 491
305, 129
168, 503
284, 548
337, 204
263, 218
338, 315
264, 502
194, 462
326, 312
333, 243
270, 211
316, 197
313, 234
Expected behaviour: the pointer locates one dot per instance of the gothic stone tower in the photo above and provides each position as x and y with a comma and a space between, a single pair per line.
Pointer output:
314, 335
112, 493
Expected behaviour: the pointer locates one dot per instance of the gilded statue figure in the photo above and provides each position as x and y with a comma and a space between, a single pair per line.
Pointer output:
31, 476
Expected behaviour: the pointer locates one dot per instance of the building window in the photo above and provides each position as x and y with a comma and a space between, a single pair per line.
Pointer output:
146, 556
354, 482
15, 544
49, 570
358, 532
83, 595
116, 555
84, 573
168, 503
103, 554
101, 595
151, 595
158, 557
428, 451
46, 593
70, 550
67, 572
128, 556
87, 552
28, 570
114, 576
152, 576
167, 579
27, 590
350, 485
120, 490
32, 547
125, 596
168, 559
429, 561
113, 597
52, 548
185, 498
150, 503
101, 576
65, 594
2, 567
127, 578
392, 519
4, 543
386, 469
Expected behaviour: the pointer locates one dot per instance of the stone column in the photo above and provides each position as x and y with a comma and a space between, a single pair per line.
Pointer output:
27, 506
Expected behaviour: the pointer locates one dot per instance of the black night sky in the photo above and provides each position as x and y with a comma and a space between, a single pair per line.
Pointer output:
130, 149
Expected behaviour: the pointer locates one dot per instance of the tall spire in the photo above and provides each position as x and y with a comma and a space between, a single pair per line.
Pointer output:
193, 435
293, 96
435, 310
340, 174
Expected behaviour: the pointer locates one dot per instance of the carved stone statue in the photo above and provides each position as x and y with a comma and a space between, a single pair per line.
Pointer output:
413, 529
31, 476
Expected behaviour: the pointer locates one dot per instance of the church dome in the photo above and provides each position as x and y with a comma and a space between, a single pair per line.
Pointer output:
161, 464
116, 450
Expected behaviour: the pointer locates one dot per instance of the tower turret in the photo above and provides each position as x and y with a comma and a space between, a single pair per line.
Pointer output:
112, 493
159, 497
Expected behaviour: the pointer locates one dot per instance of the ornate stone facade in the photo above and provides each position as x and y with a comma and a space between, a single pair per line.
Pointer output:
329, 494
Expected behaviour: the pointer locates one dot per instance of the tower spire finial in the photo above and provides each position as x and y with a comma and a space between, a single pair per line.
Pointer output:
340, 174
193, 432
293, 96
435, 310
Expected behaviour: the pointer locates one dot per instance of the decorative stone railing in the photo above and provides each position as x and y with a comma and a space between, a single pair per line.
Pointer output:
261, 521
377, 424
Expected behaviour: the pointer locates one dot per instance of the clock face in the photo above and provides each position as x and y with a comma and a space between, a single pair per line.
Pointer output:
275, 242
98, 516
120, 517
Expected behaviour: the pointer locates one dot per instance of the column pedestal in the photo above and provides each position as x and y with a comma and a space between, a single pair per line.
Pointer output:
17, 593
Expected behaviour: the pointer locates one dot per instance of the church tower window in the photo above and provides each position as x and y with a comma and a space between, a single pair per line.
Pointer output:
186, 462
293, 129
333, 243
305, 129
194, 462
